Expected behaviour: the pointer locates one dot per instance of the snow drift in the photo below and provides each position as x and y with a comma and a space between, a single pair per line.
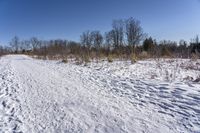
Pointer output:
49, 96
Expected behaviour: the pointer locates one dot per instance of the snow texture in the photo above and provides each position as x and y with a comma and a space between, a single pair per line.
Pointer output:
49, 96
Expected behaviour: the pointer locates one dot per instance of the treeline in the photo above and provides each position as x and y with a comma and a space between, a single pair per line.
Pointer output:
4, 50
126, 40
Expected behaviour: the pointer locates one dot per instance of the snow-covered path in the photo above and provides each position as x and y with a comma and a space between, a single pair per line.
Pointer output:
47, 96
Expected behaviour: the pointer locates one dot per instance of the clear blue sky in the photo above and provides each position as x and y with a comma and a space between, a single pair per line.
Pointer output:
67, 19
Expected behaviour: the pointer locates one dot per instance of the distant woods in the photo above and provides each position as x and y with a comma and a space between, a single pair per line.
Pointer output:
126, 41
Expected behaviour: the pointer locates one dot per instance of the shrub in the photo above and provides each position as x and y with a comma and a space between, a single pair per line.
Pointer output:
110, 58
64, 61
165, 52
85, 58
194, 57
78, 61
143, 55
133, 59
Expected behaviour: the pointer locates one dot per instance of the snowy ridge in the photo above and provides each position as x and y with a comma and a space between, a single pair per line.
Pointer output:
48, 96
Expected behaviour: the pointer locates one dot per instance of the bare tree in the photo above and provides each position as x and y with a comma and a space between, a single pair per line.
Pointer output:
15, 44
24, 45
97, 40
195, 44
1, 50
134, 34
109, 41
183, 51
86, 41
27, 45
118, 33
35, 43
43, 48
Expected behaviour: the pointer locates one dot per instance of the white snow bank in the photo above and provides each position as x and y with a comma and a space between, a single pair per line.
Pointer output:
47, 96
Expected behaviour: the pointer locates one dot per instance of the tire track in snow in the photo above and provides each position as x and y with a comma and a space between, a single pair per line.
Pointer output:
62, 101
55, 102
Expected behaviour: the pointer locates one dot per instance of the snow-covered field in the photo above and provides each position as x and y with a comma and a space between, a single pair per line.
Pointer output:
49, 96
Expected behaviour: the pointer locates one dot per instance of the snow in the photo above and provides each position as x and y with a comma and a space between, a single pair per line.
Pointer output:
50, 96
